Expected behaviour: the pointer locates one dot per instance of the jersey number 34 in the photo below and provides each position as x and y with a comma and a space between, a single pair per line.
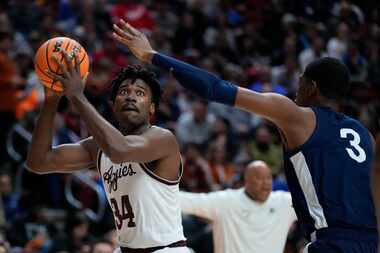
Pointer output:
126, 212
359, 154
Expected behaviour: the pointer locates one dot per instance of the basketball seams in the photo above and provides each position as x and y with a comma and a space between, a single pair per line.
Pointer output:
84, 56
47, 55
67, 46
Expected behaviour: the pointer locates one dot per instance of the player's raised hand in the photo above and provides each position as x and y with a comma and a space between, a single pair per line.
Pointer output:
71, 80
136, 41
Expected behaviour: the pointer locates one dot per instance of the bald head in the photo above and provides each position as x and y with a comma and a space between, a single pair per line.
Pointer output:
256, 167
258, 180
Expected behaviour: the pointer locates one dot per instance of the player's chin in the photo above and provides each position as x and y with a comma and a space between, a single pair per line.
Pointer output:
129, 116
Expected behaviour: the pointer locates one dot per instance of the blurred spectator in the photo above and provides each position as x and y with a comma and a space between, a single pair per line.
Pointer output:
348, 12
222, 170
222, 135
136, 13
75, 236
337, 46
110, 52
4, 247
197, 175
287, 75
33, 230
312, 53
10, 82
263, 148
195, 126
168, 111
356, 63
9, 198
265, 84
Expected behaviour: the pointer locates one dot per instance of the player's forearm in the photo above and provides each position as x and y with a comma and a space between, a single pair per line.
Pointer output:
197, 80
42, 136
107, 137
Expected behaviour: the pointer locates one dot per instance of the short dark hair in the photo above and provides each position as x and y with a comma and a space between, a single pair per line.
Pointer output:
135, 72
331, 75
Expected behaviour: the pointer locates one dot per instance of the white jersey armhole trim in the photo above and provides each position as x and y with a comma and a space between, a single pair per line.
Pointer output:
98, 160
163, 180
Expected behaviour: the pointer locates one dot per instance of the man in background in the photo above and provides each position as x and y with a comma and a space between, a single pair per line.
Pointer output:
249, 219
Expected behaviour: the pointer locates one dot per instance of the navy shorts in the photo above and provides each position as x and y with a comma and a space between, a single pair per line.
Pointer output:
343, 241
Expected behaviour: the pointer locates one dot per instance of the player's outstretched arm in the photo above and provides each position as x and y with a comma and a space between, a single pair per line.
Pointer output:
279, 109
43, 158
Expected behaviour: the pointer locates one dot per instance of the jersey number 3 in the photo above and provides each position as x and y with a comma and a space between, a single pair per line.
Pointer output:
126, 212
359, 155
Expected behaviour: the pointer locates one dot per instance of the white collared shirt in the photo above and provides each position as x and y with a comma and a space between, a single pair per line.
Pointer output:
241, 224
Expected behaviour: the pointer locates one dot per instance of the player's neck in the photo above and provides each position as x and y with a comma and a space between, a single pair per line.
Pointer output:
133, 130
327, 103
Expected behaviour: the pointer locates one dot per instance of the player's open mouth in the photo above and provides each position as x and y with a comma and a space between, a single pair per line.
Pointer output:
129, 108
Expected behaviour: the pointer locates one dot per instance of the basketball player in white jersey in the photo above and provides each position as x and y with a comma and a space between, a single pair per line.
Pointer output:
140, 164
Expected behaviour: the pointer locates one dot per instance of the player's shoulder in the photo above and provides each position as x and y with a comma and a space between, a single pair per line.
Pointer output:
163, 136
156, 130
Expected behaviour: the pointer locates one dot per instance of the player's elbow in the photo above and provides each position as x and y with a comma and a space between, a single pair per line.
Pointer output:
37, 166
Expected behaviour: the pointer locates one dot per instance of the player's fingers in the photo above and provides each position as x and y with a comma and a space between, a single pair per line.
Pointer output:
121, 39
135, 31
122, 33
54, 76
68, 61
84, 79
76, 63
128, 27
60, 66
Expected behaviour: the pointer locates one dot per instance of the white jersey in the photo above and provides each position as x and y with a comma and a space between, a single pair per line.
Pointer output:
146, 207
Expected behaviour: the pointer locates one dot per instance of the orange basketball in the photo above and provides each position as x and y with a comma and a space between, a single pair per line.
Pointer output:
43, 61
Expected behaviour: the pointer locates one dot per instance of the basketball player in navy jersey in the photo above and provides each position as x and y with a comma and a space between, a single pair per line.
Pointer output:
327, 154
140, 164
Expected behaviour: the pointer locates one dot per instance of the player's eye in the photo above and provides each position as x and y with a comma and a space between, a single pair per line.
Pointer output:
140, 93
123, 92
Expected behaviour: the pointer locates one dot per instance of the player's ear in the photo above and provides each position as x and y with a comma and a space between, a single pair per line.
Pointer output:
152, 108
314, 90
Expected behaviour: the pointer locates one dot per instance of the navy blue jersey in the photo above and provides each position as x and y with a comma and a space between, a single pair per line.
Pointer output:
329, 175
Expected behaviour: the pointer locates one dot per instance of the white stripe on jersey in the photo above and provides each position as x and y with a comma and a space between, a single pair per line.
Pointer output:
146, 207
307, 186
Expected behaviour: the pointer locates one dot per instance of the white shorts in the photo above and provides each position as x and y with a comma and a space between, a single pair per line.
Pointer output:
165, 250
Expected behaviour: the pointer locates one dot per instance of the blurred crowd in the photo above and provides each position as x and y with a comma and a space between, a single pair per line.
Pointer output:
263, 45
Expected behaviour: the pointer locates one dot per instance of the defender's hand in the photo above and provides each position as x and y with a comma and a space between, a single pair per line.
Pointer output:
73, 84
136, 41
